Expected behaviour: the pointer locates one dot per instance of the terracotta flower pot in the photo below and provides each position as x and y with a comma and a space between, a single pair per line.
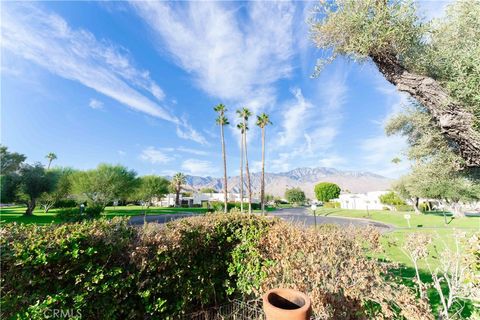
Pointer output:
286, 304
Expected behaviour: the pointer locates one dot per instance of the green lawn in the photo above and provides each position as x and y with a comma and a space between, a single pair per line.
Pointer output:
397, 219
432, 224
15, 214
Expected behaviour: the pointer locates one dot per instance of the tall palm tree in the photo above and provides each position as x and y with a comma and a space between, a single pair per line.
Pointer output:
244, 114
241, 127
178, 180
51, 156
222, 121
262, 121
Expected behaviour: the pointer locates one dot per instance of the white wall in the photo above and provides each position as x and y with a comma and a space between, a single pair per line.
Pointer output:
360, 201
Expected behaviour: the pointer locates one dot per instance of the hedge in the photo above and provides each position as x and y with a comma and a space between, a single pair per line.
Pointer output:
107, 269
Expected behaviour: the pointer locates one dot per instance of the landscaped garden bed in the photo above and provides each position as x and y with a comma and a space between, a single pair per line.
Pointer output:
106, 269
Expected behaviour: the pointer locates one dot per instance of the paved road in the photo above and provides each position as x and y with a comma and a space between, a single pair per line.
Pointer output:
300, 216
304, 217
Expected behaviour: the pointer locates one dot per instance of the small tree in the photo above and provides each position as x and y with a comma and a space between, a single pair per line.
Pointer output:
295, 195
326, 191
391, 199
32, 182
104, 184
150, 187
405, 190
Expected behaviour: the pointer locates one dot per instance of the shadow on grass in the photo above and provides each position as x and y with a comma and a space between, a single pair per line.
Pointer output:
465, 308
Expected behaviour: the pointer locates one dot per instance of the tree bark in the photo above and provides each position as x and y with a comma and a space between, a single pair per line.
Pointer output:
30, 207
415, 205
249, 185
262, 187
455, 123
177, 196
241, 173
225, 199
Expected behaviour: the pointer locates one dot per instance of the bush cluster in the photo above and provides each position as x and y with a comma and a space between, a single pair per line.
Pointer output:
331, 204
110, 270
106, 269
218, 205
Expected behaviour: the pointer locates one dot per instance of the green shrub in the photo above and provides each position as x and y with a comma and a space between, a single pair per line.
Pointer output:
404, 207
109, 270
106, 269
218, 205
65, 203
423, 207
74, 215
331, 204
78, 266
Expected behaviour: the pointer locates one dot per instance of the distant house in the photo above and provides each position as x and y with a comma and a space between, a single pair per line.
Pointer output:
198, 199
361, 201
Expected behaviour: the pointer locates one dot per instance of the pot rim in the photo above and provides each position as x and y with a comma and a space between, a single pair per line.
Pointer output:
303, 308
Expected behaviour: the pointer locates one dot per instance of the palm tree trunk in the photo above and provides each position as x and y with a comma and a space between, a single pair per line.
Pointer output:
177, 197
49, 163
262, 187
225, 200
241, 175
249, 185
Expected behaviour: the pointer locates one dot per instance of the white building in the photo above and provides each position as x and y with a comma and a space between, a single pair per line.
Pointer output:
197, 199
361, 201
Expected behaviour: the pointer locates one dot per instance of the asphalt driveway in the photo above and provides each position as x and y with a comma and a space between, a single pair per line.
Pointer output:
301, 216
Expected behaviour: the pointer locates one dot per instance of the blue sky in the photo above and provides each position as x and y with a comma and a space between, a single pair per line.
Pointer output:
135, 83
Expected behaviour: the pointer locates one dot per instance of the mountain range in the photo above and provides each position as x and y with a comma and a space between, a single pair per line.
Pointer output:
303, 178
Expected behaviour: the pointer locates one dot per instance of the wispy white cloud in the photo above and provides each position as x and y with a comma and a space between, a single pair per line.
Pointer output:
121, 153
193, 151
95, 104
294, 119
231, 57
379, 151
310, 126
47, 40
155, 156
199, 167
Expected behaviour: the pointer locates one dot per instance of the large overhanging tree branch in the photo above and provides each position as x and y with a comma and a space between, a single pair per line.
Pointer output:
437, 64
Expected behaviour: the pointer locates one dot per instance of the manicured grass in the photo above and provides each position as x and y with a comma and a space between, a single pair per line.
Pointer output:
397, 219
15, 214
432, 224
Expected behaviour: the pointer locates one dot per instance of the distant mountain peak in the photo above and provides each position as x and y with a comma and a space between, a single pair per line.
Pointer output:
304, 178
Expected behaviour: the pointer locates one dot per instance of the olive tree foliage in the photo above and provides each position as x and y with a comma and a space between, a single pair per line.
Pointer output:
10, 161
150, 187
326, 191
437, 63
104, 184
32, 181
62, 189
436, 171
